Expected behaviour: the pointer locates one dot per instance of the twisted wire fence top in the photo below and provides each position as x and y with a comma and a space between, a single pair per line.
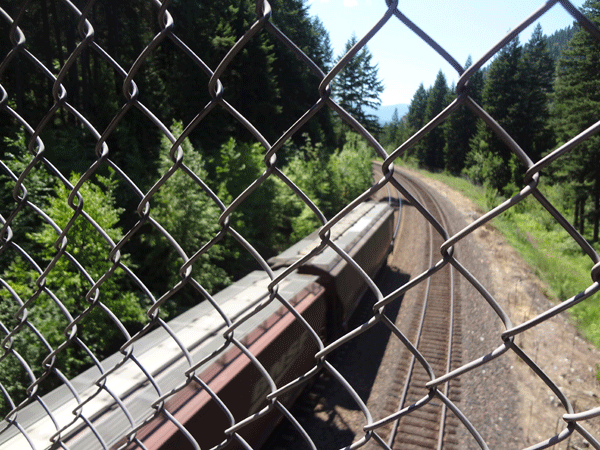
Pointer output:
133, 360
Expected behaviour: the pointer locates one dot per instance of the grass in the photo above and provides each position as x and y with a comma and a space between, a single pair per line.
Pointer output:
544, 245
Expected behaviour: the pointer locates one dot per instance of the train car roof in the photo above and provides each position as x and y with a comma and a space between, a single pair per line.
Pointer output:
344, 234
199, 330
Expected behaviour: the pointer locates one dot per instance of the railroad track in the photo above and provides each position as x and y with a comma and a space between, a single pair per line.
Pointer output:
430, 318
436, 334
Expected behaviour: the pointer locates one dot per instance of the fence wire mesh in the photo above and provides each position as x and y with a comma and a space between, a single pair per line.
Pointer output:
125, 401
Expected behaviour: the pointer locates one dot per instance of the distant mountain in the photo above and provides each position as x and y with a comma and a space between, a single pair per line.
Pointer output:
558, 41
385, 113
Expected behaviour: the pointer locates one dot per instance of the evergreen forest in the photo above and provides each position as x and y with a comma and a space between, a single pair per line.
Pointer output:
47, 288
543, 93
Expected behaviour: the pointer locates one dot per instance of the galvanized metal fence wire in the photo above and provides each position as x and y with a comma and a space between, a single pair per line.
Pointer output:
106, 385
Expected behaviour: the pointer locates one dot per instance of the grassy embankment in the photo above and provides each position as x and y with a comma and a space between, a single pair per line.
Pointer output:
544, 245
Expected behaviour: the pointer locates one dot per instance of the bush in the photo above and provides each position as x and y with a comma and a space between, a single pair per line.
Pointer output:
68, 293
185, 211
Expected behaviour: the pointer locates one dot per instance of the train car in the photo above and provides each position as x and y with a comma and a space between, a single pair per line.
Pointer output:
325, 292
366, 235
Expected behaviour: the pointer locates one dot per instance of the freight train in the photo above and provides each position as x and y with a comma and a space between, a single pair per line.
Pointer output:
324, 292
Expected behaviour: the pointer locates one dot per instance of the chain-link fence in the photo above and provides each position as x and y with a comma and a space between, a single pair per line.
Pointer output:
74, 299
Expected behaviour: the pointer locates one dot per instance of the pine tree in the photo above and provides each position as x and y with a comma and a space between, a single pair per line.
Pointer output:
577, 106
415, 118
357, 86
395, 124
558, 41
298, 85
416, 111
537, 76
501, 100
431, 154
461, 126
391, 130
185, 211
69, 287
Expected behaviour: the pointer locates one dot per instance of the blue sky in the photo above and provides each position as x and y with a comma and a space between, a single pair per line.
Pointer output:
462, 27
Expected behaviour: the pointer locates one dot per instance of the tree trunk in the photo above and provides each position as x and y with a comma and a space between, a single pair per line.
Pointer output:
47, 50
576, 213
73, 75
581, 216
85, 82
59, 47
596, 211
111, 9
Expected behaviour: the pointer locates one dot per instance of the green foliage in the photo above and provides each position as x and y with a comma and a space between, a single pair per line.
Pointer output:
350, 170
501, 100
297, 217
190, 217
308, 170
240, 166
516, 95
545, 246
68, 290
515, 89
483, 166
266, 81
537, 75
298, 85
431, 151
393, 133
461, 126
357, 86
576, 107
558, 41
416, 110
37, 184
330, 183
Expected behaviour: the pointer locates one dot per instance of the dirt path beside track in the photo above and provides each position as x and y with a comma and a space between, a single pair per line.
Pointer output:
555, 346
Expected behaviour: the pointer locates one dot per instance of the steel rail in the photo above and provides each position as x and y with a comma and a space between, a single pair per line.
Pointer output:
422, 337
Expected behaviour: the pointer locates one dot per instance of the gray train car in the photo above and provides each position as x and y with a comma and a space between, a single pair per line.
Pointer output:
325, 292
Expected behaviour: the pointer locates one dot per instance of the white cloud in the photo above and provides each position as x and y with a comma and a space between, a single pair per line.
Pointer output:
350, 3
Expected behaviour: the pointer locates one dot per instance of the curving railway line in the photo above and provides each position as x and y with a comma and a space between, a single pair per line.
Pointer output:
436, 335
406, 415
389, 375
